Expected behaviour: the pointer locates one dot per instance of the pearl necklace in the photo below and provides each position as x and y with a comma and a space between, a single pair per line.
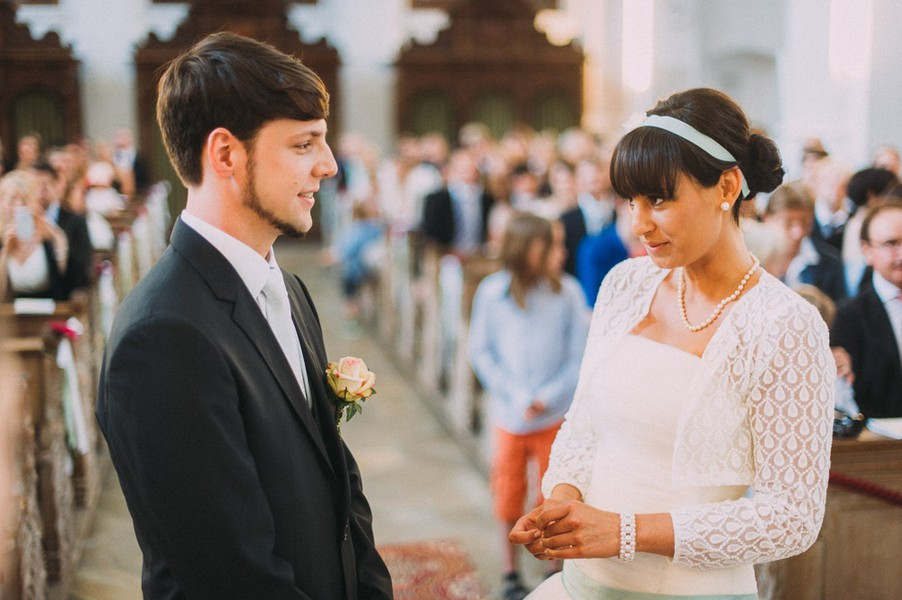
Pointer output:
681, 292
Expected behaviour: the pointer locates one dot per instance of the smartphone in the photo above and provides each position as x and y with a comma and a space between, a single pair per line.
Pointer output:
24, 223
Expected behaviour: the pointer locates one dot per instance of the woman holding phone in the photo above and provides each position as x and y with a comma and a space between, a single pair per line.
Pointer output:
34, 250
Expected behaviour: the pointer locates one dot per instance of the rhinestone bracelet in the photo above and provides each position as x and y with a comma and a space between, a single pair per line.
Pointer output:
627, 536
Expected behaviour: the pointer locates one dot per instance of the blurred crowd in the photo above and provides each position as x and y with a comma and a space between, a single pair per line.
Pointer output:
56, 206
457, 197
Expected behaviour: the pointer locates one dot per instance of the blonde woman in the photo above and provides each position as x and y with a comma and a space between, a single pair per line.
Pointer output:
34, 249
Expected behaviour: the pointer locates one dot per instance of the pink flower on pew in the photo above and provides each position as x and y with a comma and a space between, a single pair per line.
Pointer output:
71, 328
351, 384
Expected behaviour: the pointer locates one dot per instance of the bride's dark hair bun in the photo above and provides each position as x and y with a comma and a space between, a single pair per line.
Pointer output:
763, 169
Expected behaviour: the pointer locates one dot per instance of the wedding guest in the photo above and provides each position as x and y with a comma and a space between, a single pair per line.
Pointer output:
358, 253
805, 259
575, 145
813, 157
524, 187
869, 327
476, 139
866, 189
96, 198
561, 192
521, 195
831, 207
101, 196
79, 270
456, 217
594, 210
398, 199
28, 151
131, 168
527, 332
542, 155
34, 250
597, 254
887, 157
698, 442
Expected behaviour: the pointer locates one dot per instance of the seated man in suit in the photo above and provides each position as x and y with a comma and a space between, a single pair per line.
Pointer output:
456, 217
869, 327
594, 210
804, 259
79, 270
130, 165
213, 395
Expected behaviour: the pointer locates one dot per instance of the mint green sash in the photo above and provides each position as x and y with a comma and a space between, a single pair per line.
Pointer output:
581, 587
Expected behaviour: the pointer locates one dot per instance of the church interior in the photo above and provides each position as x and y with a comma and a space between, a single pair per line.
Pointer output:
536, 93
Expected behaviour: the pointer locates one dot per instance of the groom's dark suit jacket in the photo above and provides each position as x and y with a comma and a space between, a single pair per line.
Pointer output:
237, 489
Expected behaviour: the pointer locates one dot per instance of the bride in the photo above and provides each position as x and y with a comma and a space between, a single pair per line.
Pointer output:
698, 442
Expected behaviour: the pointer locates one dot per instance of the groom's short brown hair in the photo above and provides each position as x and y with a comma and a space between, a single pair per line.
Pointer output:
231, 81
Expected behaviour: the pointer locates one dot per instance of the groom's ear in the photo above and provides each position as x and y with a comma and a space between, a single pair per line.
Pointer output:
223, 153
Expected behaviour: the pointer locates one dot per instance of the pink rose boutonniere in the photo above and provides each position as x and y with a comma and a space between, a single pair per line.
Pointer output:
351, 384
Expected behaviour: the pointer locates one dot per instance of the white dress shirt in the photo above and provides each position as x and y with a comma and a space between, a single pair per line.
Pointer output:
807, 256
891, 296
253, 270
597, 213
466, 202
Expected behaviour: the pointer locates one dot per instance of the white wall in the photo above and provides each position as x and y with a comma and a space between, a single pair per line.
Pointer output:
104, 35
885, 109
368, 36
772, 55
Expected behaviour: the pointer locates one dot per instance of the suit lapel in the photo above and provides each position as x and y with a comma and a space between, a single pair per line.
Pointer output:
315, 360
882, 329
226, 285
248, 317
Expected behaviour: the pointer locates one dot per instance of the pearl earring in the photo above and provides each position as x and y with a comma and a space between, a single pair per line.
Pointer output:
725, 206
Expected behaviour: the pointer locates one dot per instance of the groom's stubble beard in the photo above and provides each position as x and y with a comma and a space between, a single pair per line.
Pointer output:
252, 201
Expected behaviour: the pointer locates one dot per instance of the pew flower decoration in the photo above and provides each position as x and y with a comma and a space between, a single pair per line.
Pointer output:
71, 328
351, 384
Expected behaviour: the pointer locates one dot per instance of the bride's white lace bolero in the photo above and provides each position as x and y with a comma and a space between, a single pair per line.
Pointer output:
761, 415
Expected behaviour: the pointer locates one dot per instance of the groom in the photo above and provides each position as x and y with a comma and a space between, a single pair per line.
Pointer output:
212, 394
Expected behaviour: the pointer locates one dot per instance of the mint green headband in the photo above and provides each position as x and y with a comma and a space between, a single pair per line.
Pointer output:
693, 135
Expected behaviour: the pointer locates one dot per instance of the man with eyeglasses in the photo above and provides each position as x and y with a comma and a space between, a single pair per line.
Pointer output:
870, 326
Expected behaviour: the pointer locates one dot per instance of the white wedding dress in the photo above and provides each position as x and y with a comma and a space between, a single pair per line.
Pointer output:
638, 414
734, 444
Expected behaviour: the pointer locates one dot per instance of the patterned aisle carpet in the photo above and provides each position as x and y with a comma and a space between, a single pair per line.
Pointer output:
434, 570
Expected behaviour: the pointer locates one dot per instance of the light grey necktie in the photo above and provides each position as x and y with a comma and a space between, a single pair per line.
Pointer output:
278, 313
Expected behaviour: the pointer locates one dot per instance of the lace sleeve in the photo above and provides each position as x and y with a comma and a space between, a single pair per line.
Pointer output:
789, 416
573, 451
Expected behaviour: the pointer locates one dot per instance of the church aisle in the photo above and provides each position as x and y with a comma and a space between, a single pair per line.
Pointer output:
420, 483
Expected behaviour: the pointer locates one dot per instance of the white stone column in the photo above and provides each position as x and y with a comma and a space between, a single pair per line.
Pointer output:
103, 35
885, 125
825, 79
597, 25
368, 36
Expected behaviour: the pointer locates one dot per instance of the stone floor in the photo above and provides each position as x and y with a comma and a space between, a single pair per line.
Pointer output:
420, 482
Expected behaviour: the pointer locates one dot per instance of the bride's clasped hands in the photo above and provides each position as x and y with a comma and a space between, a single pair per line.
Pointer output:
568, 528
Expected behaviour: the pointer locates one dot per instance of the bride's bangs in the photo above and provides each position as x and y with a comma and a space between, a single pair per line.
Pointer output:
646, 162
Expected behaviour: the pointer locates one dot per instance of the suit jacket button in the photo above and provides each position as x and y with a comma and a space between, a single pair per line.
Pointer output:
346, 532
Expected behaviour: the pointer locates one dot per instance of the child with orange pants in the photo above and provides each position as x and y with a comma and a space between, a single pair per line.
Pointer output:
527, 334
